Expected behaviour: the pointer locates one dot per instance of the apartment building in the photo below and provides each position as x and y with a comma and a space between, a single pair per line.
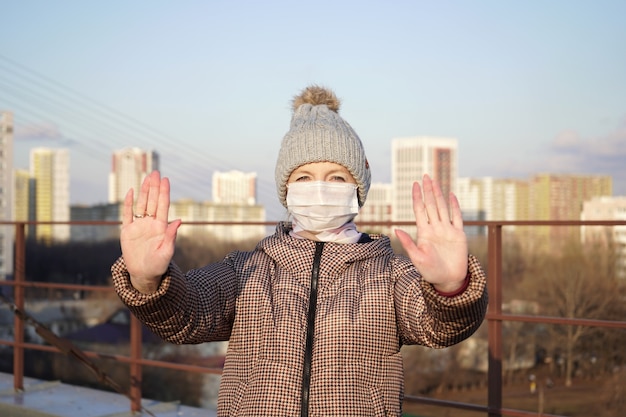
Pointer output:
561, 197
6, 193
129, 166
413, 157
488, 198
50, 172
234, 187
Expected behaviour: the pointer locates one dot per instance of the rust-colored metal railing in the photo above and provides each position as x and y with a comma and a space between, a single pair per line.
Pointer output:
495, 317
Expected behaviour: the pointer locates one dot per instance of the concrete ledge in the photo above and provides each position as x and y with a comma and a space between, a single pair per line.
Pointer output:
56, 399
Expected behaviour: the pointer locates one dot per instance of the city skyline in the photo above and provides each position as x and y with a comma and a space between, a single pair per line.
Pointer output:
437, 156
524, 87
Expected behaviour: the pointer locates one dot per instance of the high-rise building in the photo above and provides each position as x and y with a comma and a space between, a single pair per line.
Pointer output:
128, 169
561, 197
474, 198
489, 198
6, 190
499, 199
411, 158
50, 169
234, 187
475, 195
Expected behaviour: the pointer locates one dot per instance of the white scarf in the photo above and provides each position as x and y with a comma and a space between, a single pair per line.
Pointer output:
344, 234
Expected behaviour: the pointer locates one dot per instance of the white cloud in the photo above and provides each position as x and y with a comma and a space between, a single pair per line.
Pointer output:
566, 139
605, 150
571, 153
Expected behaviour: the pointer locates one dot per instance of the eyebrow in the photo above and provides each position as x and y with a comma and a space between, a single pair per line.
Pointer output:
301, 171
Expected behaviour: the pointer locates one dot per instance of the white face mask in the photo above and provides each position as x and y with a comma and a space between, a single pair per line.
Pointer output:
319, 205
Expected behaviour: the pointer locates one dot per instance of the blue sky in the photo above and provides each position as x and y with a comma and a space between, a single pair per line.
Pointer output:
525, 86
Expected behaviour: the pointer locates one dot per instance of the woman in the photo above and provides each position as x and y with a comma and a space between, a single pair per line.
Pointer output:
317, 313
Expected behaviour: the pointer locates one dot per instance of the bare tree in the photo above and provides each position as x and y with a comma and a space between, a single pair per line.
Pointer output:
575, 282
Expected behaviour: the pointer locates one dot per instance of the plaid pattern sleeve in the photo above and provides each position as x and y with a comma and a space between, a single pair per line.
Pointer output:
195, 307
428, 318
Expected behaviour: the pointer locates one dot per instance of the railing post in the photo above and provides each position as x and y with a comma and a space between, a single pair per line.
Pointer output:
18, 297
135, 366
494, 286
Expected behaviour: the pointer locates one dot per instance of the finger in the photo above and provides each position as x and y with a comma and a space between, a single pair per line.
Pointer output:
168, 244
172, 230
455, 210
404, 238
429, 200
421, 218
153, 194
408, 244
142, 199
164, 200
442, 207
127, 212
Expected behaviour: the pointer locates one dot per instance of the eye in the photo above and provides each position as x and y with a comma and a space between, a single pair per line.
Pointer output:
337, 178
302, 178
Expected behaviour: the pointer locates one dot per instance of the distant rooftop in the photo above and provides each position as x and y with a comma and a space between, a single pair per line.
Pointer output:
56, 399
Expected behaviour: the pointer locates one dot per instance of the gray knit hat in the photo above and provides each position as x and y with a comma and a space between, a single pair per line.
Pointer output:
318, 134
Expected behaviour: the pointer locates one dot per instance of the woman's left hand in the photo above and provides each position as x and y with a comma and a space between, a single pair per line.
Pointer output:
440, 251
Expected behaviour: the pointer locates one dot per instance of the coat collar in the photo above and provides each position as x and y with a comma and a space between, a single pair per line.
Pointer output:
297, 254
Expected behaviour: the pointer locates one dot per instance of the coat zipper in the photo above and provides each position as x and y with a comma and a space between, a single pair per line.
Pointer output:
310, 331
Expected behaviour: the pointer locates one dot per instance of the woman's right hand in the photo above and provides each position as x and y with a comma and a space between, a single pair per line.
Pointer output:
146, 237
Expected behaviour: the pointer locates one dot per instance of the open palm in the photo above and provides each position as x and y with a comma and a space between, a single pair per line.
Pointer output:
440, 250
146, 237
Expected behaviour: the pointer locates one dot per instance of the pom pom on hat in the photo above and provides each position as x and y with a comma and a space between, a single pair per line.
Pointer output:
318, 134
316, 96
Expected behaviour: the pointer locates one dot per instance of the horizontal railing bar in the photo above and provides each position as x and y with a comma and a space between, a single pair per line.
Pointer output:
446, 403
501, 317
120, 358
57, 286
557, 320
473, 407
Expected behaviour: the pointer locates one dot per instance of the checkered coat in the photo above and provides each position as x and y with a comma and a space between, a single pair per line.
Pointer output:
369, 303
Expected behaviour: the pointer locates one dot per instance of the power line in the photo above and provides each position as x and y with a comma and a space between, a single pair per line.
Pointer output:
95, 127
